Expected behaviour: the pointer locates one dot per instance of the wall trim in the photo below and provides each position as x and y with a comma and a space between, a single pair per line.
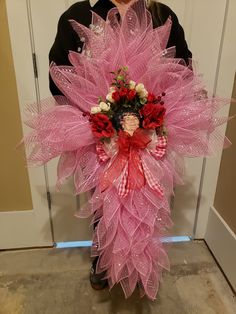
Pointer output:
222, 242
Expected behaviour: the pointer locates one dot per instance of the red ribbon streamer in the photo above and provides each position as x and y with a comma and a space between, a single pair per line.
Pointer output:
129, 147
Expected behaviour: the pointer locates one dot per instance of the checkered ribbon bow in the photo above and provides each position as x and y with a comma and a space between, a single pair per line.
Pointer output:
154, 184
128, 170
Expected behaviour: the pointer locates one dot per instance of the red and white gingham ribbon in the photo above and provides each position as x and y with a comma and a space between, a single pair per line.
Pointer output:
151, 180
160, 150
102, 155
123, 190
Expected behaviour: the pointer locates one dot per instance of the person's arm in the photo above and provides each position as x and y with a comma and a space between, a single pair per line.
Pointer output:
177, 39
160, 13
66, 40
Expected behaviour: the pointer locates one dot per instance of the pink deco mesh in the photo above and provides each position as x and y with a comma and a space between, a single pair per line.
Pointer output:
127, 238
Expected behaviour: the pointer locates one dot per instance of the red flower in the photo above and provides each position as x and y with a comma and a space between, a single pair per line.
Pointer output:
123, 92
131, 94
153, 116
116, 96
101, 126
151, 97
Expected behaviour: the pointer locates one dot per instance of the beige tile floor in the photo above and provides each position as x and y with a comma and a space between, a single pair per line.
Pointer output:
51, 281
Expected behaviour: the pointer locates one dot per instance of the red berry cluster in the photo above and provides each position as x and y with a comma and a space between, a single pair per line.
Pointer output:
156, 99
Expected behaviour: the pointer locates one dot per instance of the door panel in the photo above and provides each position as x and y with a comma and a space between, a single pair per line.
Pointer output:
28, 223
199, 27
64, 204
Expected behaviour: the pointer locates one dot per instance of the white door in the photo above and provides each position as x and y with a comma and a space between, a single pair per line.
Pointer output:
43, 17
63, 204
24, 227
52, 218
218, 213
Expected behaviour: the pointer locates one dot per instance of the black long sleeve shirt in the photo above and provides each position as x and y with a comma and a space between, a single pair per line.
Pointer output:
67, 40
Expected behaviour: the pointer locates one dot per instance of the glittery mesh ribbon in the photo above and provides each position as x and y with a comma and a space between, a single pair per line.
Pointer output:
130, 181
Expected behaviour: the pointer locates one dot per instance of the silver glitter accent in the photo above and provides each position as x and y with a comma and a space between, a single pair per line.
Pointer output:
97, 29
88, 53
164, 52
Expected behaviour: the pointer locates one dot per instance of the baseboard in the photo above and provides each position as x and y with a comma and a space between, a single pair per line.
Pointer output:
222, 242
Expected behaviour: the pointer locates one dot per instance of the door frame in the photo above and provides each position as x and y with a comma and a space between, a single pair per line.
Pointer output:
223, 86
213, 227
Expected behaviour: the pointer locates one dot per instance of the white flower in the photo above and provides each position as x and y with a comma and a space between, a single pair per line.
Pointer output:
95, 110
132, 84
112, 89
139, 88
104, 106
109, 98
143, 93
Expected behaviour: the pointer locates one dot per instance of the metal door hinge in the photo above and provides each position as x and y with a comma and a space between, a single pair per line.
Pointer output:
49, 200
35, 65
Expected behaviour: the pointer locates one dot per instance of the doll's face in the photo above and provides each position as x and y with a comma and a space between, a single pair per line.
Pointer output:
130, 123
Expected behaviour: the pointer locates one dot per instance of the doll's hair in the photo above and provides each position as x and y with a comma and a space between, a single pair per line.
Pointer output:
117, 118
